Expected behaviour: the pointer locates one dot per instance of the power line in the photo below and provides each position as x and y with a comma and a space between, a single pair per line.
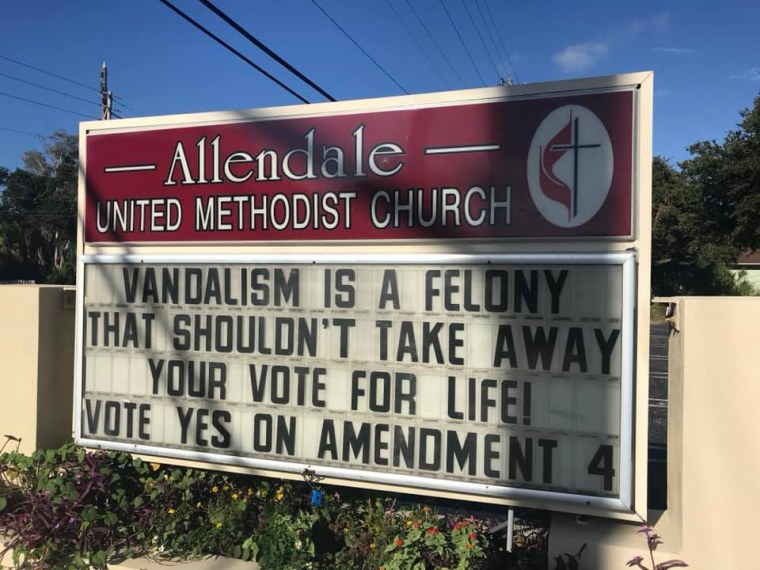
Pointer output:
490, 33
467, 51
372, 59
220, 41
416, 41
49, 73
73, 82
50, 89
480, 37
501, 39
46, 105
259, 44
22, 132
435, 42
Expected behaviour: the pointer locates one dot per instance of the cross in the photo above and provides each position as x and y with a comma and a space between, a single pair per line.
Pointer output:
575, 147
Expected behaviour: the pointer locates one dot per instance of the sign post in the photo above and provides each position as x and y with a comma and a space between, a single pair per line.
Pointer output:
436, 293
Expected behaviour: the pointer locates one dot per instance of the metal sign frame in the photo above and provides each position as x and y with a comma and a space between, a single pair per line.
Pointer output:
408, 483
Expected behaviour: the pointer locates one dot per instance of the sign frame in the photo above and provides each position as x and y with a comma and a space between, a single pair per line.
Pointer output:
272, 117
405, 483
636, 248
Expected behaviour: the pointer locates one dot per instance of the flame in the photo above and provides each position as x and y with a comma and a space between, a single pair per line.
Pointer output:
552, 187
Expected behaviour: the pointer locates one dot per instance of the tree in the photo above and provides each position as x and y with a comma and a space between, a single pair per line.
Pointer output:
707, 213
38, 213
728, 178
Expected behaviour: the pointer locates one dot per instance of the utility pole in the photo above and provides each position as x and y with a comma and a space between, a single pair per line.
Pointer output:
106, 97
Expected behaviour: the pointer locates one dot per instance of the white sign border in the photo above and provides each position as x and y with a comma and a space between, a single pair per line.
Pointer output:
568, 502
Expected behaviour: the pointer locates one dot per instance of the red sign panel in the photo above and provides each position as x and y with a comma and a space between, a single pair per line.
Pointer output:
551, 167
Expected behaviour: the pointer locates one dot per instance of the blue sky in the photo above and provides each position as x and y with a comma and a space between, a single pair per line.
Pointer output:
705, 55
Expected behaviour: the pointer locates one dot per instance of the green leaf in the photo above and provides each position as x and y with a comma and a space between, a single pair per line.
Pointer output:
98, 558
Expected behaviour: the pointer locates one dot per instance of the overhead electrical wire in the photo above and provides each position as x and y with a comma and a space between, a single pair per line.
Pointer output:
22, 132
50, 73
220, 41
419, 45
45, 105
480, 37
372, 59
490, 33
501, 39
464, 45
263, 47
89, 101
57, 76
435, 42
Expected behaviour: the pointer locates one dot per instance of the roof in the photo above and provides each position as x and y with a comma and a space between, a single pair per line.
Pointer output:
749, 257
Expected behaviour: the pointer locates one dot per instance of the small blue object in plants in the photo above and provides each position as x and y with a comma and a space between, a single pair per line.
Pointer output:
317, 497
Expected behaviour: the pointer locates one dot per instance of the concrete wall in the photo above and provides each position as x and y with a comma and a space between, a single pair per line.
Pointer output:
713, 448
37, 354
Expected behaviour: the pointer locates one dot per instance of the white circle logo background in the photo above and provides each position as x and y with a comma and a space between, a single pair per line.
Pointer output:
594, 164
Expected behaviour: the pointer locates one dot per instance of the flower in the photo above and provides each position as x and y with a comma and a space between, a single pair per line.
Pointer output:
646, 529
155, 466
218, 525
234, 496
473, 536
432, 530
214, 489
171, 511
398, 542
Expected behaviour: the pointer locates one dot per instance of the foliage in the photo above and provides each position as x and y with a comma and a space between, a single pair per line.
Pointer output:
690, 254
705, 214
652, 541
569, 561
69, 507
426, 544
38, 213
73, 508
284, 539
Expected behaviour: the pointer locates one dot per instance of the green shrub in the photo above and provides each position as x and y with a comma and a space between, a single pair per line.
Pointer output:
69, 507
74, 508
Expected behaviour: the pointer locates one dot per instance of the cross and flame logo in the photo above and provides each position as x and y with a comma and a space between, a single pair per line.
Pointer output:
570, 166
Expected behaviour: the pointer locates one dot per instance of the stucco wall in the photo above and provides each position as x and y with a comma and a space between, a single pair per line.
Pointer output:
713, 448
37, 352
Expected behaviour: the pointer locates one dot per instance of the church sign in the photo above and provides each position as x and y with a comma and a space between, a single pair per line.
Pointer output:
437, 293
